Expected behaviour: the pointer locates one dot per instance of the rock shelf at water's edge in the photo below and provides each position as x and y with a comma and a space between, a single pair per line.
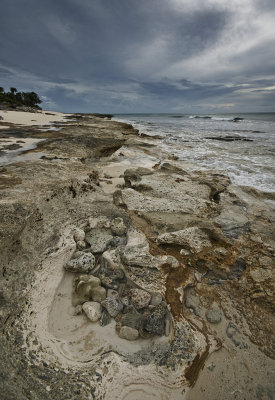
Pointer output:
125, 276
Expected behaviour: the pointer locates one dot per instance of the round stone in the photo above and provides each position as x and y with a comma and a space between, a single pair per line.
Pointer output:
113, 306
139, 298
85, 263
93, 310
128, 333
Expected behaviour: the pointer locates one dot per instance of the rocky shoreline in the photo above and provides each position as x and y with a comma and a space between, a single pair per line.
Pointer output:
124, 276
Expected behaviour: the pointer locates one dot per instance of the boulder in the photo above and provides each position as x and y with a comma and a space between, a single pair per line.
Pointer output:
93, 310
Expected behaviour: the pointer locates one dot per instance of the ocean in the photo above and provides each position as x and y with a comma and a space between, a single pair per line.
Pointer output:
241, 146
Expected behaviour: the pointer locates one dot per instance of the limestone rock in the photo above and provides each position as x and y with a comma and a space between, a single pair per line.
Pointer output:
118, 227
128, 333
233, 221
213, 316
155, 321
98, 294
193, 238
85, 263
132, 318
105, 318
93, 310
139, 298
140, 256
111, 258
113, 306
111, 278
98, 239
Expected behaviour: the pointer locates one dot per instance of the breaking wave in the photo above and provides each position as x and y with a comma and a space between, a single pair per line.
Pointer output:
233, 119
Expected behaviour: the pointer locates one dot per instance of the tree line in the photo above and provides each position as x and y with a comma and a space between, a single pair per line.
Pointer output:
14, 99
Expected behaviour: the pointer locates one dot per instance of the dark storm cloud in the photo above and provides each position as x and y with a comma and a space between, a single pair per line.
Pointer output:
129, 55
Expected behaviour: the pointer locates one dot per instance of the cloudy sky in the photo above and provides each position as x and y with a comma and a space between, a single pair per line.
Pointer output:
125, 56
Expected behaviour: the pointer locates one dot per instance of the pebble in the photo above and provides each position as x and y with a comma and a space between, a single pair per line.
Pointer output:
93, 310
105, 318
113, 306
79, 235
128, 333
139, 298
118, 227
211, 366
132, 318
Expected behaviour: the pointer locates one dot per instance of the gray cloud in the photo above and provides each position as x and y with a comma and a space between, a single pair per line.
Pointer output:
137, 56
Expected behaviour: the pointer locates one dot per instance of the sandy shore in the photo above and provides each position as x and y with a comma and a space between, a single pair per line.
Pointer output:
203, 245
29, 119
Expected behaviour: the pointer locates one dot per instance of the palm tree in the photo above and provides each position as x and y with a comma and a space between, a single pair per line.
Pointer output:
13, 90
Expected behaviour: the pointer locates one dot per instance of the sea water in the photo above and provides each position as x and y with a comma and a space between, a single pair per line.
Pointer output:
239, 145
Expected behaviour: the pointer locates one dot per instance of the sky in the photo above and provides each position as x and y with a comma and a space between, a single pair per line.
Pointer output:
137, 56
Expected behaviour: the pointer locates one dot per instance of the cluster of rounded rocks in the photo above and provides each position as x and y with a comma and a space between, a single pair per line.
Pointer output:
102, 291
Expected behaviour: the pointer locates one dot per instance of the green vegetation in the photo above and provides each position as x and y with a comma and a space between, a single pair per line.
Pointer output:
14, 99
